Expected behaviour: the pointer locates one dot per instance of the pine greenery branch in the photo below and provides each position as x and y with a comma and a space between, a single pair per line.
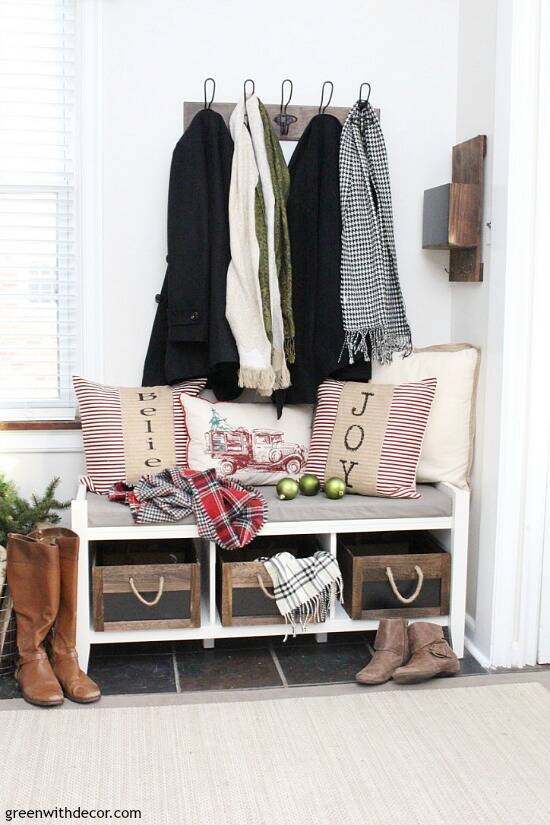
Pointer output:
17, 515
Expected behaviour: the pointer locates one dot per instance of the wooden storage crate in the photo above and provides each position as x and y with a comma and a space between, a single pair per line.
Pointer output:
241, 601
146, 585
415, 562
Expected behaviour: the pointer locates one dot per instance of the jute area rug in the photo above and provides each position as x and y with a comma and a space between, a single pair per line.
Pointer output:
461, 756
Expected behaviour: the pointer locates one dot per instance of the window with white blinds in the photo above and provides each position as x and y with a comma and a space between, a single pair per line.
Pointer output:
39, 283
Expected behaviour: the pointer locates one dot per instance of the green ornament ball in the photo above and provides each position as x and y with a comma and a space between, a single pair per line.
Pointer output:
335, 488
309, 485
287, 489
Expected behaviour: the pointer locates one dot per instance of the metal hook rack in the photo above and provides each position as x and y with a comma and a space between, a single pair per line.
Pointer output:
245, 95
362, 102
211, 101
322, 109
284, 120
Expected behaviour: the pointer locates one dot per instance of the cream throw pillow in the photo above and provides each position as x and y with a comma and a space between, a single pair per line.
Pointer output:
447, 451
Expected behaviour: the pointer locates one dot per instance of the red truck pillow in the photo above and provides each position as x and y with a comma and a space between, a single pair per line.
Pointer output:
246, 441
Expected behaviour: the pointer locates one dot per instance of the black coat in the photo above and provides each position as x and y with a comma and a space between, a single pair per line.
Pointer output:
191, 337
315, 228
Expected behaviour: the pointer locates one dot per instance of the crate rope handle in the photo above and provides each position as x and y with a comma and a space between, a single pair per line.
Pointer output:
415, 595
266, 592
140, 598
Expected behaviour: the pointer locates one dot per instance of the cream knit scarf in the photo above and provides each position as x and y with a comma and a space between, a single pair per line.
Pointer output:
257, 135
244, 301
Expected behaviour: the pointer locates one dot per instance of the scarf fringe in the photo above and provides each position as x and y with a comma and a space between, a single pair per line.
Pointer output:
282, 376
290, 349
316, 609
382, 346
261, 379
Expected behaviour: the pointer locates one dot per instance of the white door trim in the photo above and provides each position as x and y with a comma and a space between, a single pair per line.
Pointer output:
539, 622
520, 295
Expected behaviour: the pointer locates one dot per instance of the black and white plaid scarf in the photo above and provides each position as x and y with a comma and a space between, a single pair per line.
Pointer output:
372, 303
304, 588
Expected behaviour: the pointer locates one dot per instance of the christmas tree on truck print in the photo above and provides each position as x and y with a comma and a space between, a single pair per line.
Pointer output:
264, 450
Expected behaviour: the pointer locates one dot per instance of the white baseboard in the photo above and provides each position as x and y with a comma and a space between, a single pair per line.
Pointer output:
483, 660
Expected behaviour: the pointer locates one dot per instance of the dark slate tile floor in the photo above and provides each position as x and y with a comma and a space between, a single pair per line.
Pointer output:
322, 664
227, 669
8, 688
134, 673
257, 662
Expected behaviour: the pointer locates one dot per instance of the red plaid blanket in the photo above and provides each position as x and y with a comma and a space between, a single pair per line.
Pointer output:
225, 511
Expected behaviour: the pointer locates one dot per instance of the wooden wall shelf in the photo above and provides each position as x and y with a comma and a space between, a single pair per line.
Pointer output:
453, 212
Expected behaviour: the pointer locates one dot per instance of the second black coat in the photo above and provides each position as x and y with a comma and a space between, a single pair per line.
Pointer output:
191, 337
315, 228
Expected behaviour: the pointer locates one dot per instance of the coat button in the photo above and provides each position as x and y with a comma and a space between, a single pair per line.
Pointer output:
157, 297
194, 316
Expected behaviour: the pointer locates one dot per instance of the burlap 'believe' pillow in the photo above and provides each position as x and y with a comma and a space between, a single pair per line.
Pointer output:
131, 431
370, 435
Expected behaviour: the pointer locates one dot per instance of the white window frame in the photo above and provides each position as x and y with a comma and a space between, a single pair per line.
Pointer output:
88, 198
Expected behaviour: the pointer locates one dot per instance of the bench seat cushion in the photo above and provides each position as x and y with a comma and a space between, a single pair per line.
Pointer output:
433, 503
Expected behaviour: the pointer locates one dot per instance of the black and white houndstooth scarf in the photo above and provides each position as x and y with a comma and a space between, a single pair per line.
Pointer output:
372, 303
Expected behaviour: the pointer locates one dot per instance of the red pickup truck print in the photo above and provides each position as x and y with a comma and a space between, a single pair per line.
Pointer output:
264, 450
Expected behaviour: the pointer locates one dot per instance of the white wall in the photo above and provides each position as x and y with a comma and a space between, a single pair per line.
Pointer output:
33, 458
470, 302
157, 54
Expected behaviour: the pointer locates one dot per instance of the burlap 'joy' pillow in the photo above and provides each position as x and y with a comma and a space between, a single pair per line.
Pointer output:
370, 435
131, 431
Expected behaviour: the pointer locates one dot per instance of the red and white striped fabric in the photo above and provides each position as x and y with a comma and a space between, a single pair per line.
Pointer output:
370, 435
107, 440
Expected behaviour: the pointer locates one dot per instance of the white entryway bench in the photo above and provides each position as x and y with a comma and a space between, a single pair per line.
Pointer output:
443, 509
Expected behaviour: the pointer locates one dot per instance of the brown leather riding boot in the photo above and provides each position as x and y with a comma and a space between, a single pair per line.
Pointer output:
391, 650
76, 685
33, 579
430, 655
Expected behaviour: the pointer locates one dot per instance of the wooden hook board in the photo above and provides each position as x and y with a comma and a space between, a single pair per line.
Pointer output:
303, 115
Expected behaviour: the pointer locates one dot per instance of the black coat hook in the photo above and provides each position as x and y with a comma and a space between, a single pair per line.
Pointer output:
361, 101
248, 80
322, 108
283, 120
211, 101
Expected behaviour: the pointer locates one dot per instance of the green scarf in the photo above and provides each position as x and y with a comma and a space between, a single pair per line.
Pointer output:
263, 270
280, 180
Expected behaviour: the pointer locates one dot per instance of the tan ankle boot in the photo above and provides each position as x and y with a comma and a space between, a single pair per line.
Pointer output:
430, 655
391, 648
33, 579
76, 685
